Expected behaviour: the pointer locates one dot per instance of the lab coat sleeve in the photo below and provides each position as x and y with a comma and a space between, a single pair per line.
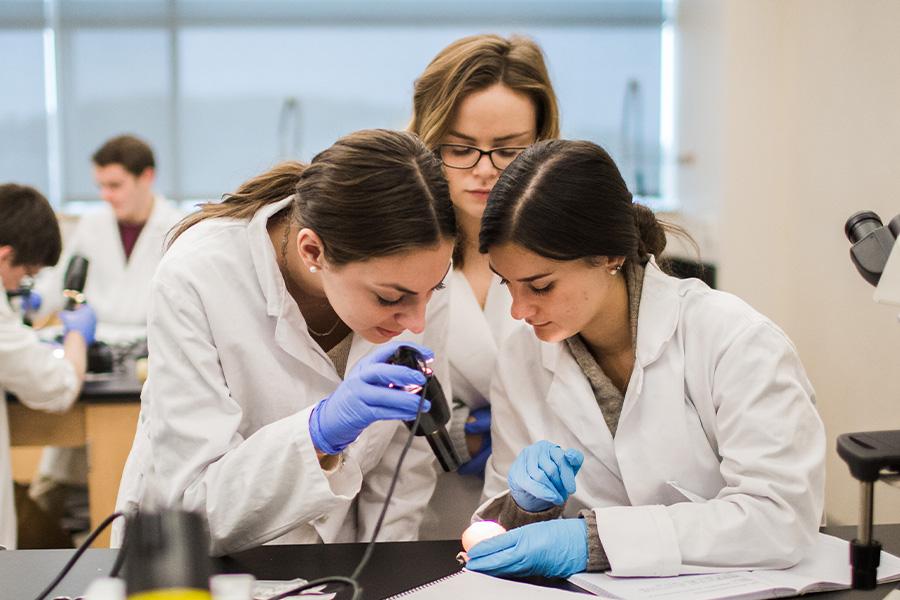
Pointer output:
772, 447
252, 489
29, 369
415, 484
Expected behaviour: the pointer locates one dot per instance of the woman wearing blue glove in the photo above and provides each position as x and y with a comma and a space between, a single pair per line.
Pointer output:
702, 446
479, 102
270, 405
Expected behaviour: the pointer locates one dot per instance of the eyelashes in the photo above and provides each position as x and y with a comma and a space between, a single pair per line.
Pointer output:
386, 302
539, 291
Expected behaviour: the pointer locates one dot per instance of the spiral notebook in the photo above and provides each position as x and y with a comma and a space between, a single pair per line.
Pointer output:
469, 584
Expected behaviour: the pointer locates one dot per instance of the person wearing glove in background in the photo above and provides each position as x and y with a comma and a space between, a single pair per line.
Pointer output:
40, 378
702, 446
259, 307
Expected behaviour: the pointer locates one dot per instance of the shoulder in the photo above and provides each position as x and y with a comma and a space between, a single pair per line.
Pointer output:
203, 252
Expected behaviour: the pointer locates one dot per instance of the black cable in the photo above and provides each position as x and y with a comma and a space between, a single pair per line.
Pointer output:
81, 550
352, 580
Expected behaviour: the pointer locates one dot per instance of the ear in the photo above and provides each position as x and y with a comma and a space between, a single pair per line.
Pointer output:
146, 178
310, 248
7, 254
614, 262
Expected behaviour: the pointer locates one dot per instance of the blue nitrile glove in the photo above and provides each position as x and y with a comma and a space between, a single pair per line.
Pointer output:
364, 397
556, 548
82, 319
31, 302
543, 476
479, 422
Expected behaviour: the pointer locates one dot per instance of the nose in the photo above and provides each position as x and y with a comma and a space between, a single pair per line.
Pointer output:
484, 167
106, 194
521, 309
414, 318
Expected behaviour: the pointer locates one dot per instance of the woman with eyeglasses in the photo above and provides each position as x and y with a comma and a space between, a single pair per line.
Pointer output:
480, 102
674, 419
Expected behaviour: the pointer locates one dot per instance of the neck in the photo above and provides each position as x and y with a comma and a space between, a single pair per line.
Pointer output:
609, 332
470, 228
143, 215
304, 287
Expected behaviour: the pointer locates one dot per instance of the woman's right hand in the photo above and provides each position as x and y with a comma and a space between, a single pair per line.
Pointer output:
543, 475
372, 391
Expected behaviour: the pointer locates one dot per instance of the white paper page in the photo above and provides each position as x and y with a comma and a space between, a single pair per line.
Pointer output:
829, 564
468, 584
735, 584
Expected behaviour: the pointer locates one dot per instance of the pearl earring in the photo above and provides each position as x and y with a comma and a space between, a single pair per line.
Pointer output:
615, 270
313, 269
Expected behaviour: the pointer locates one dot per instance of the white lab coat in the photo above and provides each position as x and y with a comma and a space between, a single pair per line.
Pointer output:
718, 460
40, 380
233, 377
472, 342
117, 289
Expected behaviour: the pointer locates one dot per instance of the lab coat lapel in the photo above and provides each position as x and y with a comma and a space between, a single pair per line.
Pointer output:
572, 400
657, 321
290, 328
470, 342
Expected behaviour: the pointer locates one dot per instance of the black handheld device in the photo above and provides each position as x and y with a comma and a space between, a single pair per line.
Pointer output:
431, 424
74, 280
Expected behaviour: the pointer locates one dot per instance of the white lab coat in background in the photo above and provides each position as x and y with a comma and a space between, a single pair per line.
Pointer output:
117, 289
233, 377
40, 380
472, 342
718, 460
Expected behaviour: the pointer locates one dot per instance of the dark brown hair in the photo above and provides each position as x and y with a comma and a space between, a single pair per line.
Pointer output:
28, 224
373, 193
133, 153
566, 200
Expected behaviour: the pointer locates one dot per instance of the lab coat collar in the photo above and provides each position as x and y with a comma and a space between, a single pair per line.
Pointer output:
290, 327
265, 263
570, 393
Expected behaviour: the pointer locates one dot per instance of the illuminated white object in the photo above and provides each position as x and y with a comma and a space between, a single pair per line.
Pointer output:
480, 531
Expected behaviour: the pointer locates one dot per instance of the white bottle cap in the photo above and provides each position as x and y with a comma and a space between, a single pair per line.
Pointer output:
106, 588
238, 586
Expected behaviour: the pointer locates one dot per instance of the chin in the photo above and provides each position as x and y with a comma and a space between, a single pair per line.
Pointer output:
551, 334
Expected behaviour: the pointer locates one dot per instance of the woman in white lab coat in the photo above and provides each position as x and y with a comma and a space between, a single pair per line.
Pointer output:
688, 413
268, 404
480, 102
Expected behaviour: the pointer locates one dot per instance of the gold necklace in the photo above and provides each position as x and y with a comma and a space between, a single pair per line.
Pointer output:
284, 243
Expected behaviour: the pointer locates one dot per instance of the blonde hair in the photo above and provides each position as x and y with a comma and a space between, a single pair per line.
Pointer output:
474, 63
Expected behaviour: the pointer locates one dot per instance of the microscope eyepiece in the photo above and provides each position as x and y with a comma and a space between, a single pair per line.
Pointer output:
861, 224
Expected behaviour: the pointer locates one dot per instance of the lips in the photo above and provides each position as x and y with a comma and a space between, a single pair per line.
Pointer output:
388, 332
533, 324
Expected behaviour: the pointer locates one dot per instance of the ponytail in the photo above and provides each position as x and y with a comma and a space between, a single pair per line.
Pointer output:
276, 184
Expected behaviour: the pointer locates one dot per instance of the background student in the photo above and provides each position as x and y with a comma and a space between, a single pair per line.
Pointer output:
686, 415
123, 242
269, 405
40, 377
479, 103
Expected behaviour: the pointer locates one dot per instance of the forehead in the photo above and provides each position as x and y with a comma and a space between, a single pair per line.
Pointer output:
418, 270
514, 261
494, 112
112, 173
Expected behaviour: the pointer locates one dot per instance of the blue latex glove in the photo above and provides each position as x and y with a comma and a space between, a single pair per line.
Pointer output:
479, 422
82, 319
543, 476
31, 302
556, 548
364, 397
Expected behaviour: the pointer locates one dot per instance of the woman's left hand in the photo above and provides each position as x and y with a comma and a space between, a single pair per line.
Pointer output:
556, 548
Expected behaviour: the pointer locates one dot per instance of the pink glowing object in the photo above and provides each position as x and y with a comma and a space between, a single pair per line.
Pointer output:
480, 531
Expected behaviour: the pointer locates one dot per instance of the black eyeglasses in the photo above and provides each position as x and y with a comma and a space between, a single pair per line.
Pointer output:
458, 156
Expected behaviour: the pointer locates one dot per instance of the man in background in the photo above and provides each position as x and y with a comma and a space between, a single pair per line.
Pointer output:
123, 241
